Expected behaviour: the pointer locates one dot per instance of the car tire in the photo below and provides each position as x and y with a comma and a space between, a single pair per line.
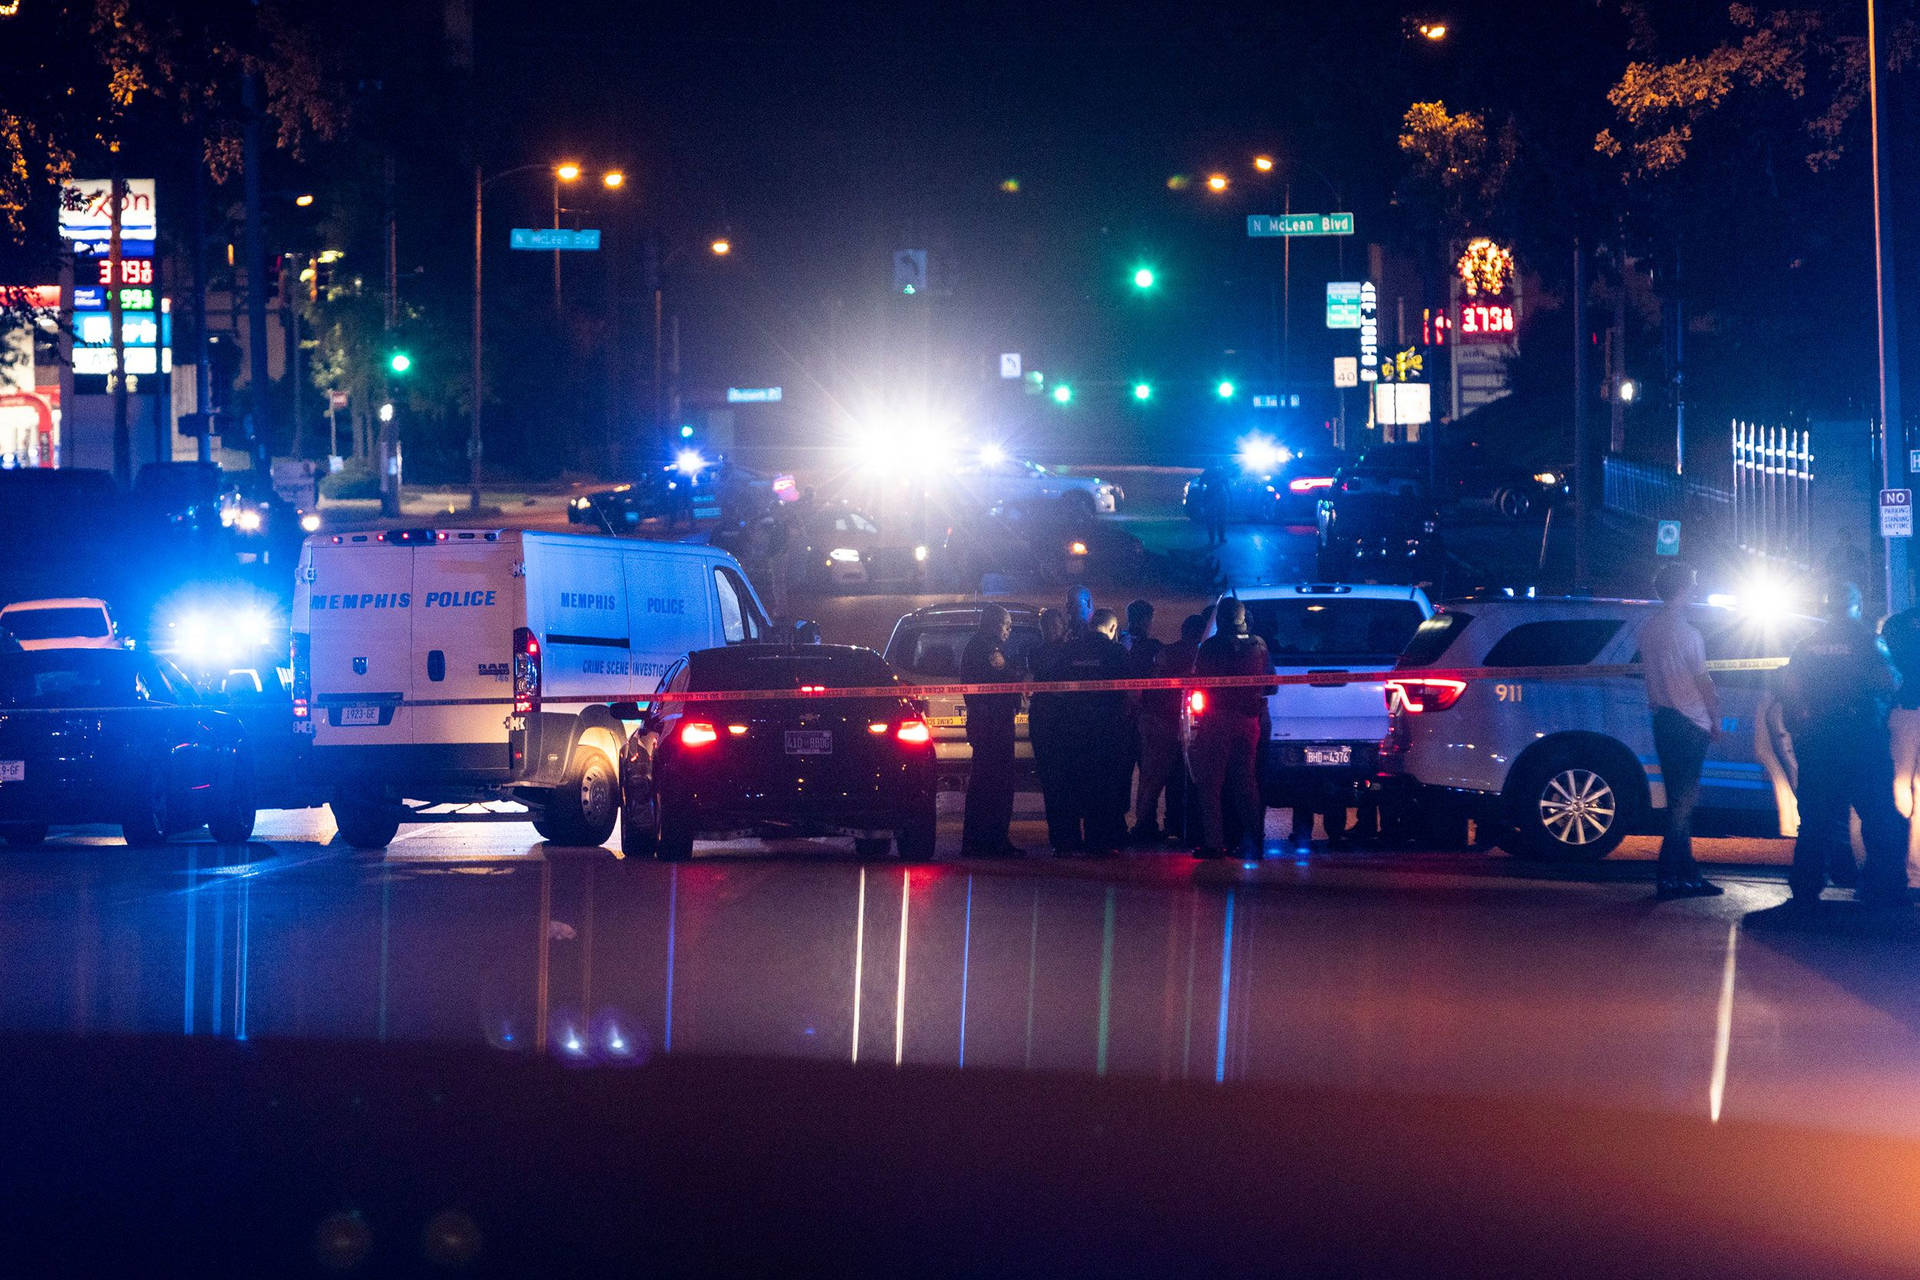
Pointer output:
366, 825
1570, 805
145, 822
871, 846
639, 835
915, 841
582, 809
1513, 503
232, 822
24, 835
673, 837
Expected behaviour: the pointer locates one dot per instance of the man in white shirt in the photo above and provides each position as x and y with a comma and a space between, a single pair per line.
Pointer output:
1686, 717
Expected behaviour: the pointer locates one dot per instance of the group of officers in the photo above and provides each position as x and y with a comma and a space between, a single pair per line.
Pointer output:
1087, 744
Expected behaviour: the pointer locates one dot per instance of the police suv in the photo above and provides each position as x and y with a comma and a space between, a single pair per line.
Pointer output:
462, 665
1560, 762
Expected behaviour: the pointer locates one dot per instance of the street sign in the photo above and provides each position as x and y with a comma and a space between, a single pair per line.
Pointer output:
86, 211
1343, 305
1667, 541
1009, 364
1346, 371
550, 238
1299, 224
1896, 513
1913, 460
1266, 402
753, 395
336, 399
1369, 332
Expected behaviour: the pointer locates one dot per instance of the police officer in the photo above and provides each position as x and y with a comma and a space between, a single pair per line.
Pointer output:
1159, 738
1901, 633
1079, 611
1834, 699
1050, 765
1093, 726
990, 733
1226, 736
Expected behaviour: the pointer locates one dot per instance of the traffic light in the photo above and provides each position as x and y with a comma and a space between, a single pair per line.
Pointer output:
1142, 391
686, 431
1063, 394
1143, 278
1224, 390
399, 362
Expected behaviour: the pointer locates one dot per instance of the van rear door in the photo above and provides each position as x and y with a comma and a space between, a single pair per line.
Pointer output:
462, 648
360, 630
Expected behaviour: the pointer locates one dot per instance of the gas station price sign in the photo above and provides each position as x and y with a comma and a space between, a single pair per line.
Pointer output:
1490, 321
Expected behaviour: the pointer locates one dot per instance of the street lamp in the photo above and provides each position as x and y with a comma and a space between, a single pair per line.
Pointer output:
565, 171
721, 248
1263, 163
1217, 182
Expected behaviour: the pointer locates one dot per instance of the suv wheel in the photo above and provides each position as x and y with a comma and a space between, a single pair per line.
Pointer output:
1513, 503
673, 838
232, 823
1571, 806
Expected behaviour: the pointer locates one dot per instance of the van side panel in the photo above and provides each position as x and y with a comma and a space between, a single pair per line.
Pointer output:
577, 604
669, 605
359, 618
466, 600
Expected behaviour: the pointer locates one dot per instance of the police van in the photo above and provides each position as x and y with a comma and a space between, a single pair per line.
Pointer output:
1553, 747
439, 666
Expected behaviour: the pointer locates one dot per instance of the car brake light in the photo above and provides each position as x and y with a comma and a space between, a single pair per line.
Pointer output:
526, 671
877, 728
302, 674
698, 733
1307, 484
914, 732
1196, 701
1418, 696
737, 730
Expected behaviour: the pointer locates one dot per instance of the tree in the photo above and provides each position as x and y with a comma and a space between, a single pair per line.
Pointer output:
1458, 168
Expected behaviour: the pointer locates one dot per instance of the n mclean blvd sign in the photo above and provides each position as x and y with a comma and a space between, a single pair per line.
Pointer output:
1299, 224
554, 238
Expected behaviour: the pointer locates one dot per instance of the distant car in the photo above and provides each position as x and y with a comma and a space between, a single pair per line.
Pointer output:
81, 622
1379, 537
803, 765
1325, 739
837, 546
1008, 482
1468, 474
1049, 543
94, 735
1285, 491
925, 648
656, 495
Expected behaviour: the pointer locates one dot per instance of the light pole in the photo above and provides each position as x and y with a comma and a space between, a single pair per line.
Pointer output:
1893, 434
567, 171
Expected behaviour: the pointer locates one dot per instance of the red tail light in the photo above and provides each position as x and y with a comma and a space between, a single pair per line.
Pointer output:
302, 674
914, 733
1307, 484
698, 733
526, 670
1196, 701
1416, 697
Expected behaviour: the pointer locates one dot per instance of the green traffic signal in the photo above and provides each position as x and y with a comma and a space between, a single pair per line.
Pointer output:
1225, 390
1143, 278
686, 431
1142, 391
1063, 394
399, 362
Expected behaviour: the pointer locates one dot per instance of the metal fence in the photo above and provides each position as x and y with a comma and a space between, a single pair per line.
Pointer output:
1656, 493
1773, 492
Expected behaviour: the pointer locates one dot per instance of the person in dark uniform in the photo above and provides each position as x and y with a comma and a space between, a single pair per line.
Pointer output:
990, 733
1226, 736
1043, 731
1215, 505
1079, 611
1901, 633
1093, 731
1836, 687
1159, 738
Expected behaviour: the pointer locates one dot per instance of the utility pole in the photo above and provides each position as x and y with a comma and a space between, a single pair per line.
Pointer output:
1617, 349
1893, 434
389, 429
1582, 447
473, 431
259, 381
202, 374
122, 433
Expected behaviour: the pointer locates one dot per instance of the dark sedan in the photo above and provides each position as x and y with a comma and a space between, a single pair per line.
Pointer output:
808, 764
109, 735
1470, 474
1048, 543
1379, 537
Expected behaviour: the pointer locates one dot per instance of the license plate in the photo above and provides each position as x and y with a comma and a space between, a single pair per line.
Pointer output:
1342, 754
13, 770
809, 742
360, 715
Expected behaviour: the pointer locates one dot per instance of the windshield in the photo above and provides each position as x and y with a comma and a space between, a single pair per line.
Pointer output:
775, 668
87, 623
935, 651
1332, 630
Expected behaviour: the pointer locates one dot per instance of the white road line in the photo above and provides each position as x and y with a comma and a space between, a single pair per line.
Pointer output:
1723, 1028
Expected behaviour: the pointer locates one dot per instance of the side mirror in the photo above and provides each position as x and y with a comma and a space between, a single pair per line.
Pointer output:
627, 711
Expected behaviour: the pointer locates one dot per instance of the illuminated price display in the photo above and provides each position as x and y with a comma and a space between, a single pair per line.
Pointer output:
132, 271
1485, 322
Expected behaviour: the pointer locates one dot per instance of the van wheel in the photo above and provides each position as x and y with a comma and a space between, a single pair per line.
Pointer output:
581, 810
146, 819
1570, 806
24, 835
366, 825
232, 823
871, 846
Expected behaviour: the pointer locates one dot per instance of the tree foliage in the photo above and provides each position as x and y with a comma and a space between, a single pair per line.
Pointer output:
1458, 167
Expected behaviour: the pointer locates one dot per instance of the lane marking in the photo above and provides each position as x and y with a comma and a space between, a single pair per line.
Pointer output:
1723, 1028
859, 956
900, 989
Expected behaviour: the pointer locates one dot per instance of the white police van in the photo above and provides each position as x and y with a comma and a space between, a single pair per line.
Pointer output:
1560, 763
460, 665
